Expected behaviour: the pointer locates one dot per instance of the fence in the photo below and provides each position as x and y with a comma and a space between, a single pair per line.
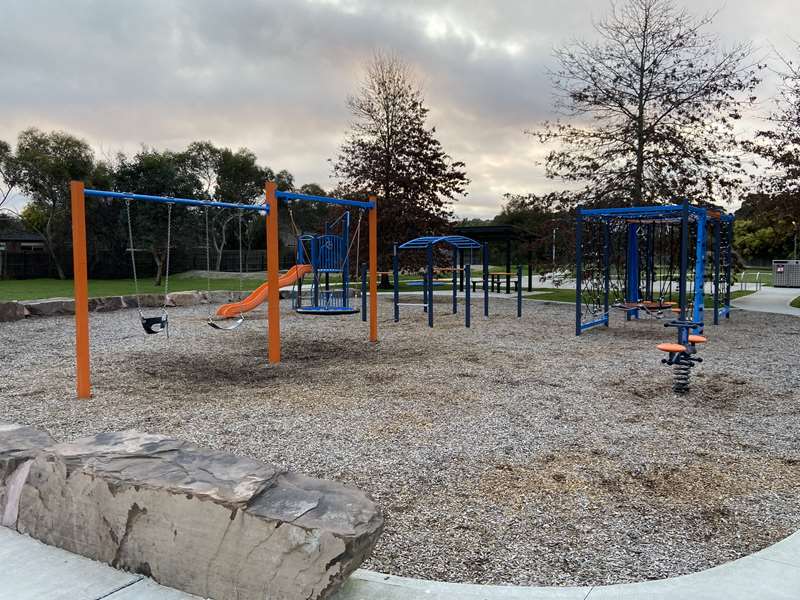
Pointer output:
25, 265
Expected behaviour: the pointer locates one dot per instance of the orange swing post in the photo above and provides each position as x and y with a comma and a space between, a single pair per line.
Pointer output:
273, 264
81, 290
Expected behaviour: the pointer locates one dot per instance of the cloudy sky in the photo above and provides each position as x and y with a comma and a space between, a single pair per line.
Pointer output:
273, 75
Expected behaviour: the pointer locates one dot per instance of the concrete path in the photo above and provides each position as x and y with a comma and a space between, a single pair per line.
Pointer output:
770, 300
30, 570
772, 574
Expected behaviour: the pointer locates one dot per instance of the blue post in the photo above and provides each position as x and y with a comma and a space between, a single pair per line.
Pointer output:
364, 292
396, 273
700, 272
728, 268
315, 274
467, 292
632, 279
430, 285
485, 251
683, 333
345, 262
578, 269
717, 235
519, 291
606, 268
455, 280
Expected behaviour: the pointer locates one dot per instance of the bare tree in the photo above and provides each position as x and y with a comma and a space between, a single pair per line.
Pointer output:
780, 143
650, 108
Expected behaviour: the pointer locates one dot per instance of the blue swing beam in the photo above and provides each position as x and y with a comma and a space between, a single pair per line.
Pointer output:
684, 214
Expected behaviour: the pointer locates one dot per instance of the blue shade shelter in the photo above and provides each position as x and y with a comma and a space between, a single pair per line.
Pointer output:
459, 244
631, 235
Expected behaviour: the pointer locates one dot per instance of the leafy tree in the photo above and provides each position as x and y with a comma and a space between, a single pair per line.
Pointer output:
47, 162
650, 109
776, 206
160, 174
9, 172
541, 216
389, 151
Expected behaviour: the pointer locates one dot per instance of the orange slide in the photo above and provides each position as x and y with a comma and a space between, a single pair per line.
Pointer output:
259, 296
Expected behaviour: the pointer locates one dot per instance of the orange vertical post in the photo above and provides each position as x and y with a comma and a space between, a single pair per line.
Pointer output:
273, 265
373, 270
81, 290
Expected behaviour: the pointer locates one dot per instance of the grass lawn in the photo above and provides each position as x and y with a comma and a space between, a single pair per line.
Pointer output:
565, 295
796, 302
32, 289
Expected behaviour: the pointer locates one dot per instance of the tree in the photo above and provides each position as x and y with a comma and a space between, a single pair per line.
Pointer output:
159, 174
651, 109
47, 162
390, 152
9, 172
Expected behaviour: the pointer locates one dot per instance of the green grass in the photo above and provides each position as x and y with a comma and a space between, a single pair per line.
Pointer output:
796, 302
33, 289
564, 295
750, 276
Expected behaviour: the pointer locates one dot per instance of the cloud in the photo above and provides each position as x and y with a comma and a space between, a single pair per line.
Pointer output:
274, 75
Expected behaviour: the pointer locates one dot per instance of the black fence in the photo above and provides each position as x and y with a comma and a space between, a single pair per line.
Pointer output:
25, 265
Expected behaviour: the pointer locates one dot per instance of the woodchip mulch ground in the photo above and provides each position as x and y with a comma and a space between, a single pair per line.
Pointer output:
512, 452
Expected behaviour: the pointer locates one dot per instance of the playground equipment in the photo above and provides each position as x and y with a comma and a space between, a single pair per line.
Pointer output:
159, 323
329, 253
268, 292
460, 245
237, 319
629, 258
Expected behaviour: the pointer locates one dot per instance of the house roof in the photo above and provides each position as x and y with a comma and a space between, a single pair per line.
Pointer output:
20, 236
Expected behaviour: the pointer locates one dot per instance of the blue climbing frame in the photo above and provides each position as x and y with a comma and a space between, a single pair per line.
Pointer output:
459, 244
684, 215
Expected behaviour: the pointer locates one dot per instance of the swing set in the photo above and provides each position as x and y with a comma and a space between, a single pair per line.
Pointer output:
319, 255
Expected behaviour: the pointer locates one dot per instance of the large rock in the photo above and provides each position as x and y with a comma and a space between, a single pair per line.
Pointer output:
11, 311
185, 299
209, 523
107, 303
50, 307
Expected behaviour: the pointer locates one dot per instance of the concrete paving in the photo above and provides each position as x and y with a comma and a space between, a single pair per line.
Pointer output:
772, 574
770, 300
33, 571
30, 570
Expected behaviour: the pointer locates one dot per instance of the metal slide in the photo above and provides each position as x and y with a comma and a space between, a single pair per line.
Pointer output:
259, 296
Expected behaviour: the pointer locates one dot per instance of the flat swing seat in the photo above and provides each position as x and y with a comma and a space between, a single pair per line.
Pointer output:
326, 311
672, 348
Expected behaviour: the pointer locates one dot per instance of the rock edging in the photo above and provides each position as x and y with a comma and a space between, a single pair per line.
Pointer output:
51, 307
206, 522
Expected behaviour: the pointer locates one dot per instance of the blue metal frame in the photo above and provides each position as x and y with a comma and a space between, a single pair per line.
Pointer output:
324, 199
169, 200
684, 214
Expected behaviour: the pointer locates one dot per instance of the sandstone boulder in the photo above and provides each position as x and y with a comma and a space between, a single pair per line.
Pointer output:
209, 523
185, 299
50, 307
107, 303
11, 311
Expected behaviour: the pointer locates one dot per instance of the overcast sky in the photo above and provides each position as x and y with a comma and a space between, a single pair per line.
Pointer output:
273, 75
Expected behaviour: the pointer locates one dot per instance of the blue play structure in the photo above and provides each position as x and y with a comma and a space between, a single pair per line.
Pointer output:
462, 254
326, 253
628, 259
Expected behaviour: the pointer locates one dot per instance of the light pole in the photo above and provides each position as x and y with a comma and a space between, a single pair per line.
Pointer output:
794, 224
